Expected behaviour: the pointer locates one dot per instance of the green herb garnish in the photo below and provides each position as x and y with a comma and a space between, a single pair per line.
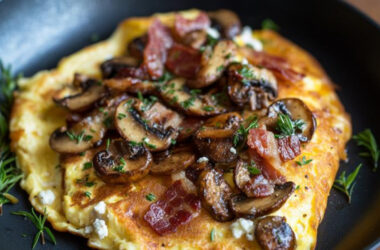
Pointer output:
368, 141
39, 223
286, 126
121, 116
212, 235
346, 184
269, 24
149, 145
150, 197
241, 134
304, 161
78, 137
88, 194
252, 169
87, 165
208, 108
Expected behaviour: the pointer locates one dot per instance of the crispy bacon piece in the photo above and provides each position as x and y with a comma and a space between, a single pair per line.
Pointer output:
155, 52
258, 186
278, 65
183, 61
176, 207
289, 147
182, 25
134, 72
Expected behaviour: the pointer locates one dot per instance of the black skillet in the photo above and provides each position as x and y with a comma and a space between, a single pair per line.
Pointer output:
35, 34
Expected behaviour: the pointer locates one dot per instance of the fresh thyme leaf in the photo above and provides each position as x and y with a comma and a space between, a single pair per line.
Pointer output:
269, 24
39, 223
121, 116
287, 127
87, 165
78, 137
346, 184
212, 234
208, 108
165, 77
173, 142
149, 145
150, 197
88, 194
108, 143
246, 72
368, 141
304, 161
140, 96
252, 169
297, 187
220, 68
240, 135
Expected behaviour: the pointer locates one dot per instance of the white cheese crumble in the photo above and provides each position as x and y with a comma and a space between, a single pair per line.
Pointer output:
88, 229
202, 159
100, 228
248, 39
243, 226
214, 33
100, 208
233, 150
46, 197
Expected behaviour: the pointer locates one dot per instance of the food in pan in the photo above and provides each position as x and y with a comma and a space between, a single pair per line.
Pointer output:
182, 130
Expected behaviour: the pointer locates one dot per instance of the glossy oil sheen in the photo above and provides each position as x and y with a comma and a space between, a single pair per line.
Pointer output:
35, 34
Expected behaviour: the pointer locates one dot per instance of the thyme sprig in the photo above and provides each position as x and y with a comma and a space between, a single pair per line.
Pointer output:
39, 223
368, 141
240, 135
346, 184
286, 126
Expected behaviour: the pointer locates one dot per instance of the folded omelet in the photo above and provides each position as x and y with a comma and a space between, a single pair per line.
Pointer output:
111, 217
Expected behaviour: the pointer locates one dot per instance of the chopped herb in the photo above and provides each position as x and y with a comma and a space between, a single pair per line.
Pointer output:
252, 169
287, 127
82, 153
188, 103
149, 145
211, 41
269, 24
165, 77
108, 121
174, 100
39, 223
346, 184
140, 96
150, 197
101, 109
75, 137
241, 134
297, 187
135, 144
304, 161
246, 72
208, 108
194, 92
87, 165
121, 116
85, 181
118, 169
212, 234
122, 161
368, 141
220, 68
87, 137
173, 142
88, 194
92, 130
89, 183
228, 56
58, 166
108, 144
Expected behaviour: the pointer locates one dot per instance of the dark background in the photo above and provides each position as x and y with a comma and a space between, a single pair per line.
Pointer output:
35, 34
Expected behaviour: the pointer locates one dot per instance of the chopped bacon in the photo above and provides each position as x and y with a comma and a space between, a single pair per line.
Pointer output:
278, 65
289, 147
182, 25
183, 61
258, 186
155, 52
176, 207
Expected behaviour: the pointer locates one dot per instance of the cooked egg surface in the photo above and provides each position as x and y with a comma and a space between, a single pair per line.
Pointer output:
111, 217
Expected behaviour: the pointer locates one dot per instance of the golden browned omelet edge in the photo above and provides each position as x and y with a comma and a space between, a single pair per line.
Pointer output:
35, 116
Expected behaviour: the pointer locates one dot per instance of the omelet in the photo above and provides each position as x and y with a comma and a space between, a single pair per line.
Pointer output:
78, 201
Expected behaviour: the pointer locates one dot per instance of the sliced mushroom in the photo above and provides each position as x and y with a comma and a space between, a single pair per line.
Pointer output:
256, 207
195, 39
226, 22
252, 184
92, 91
112, 67
131, 85
86, 132
213, 64
250, 85
193, 172
296, 110
188, 127
172, 160
272, 233
215, 194
122, 162
215, 138
176, 94
136, 47
149, 124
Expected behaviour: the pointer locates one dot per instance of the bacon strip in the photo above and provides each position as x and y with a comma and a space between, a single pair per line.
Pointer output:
289, 147
183, 61
278, 65
155, 52
182, 25
176, 207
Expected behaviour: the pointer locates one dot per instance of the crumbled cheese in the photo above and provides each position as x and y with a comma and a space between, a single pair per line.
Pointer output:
100, 228
100, 208
248, 39
202, 159
146, 140
233, 150
243, 226
46, 197
88, 229
244, 61
214, 33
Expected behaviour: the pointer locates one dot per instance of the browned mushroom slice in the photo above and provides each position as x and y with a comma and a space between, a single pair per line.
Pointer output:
136, 47
215, 194
150, 124
188, 127
226, 22
195, 39
172, 160
92, 91
272, 233
250, 180
250, 85
215, 138
256, 207
122, 162
131, 85
298, 112
176, 94
213, 64
112, 67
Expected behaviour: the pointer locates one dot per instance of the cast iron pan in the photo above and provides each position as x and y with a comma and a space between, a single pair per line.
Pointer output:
35, 34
